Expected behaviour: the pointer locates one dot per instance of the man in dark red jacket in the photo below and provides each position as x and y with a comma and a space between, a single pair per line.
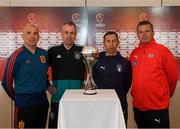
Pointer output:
154, 79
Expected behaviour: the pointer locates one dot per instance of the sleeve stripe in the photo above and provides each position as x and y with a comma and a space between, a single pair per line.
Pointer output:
10, 70
9, 76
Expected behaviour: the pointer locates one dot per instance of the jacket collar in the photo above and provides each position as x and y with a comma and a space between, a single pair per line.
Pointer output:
103, 54
145, 45
25, 48
67, 49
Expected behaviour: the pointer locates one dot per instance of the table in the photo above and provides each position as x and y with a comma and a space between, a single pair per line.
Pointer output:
102, 110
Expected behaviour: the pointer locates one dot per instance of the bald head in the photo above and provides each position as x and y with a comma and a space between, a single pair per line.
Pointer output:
30, 36
28, 26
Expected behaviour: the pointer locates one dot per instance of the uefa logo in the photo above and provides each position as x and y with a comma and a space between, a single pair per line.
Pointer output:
99, 17
75, 17
144, 16
32, 18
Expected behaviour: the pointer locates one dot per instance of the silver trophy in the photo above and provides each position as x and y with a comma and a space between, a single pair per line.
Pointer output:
90, 54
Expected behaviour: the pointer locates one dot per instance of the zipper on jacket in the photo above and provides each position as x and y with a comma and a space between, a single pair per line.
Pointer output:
141, 70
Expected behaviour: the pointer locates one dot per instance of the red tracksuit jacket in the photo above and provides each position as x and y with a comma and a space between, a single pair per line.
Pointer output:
154, 76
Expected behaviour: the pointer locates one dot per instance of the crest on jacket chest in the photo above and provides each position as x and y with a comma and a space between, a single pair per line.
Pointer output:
119, 67
77, 55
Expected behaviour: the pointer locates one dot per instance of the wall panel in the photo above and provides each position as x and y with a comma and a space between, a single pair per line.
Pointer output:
4, 2
117, 3
48, 3
171, 3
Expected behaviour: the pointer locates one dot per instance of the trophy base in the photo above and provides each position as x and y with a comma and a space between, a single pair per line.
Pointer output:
90, 92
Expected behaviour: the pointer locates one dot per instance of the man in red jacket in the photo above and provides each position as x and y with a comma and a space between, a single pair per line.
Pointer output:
154, 79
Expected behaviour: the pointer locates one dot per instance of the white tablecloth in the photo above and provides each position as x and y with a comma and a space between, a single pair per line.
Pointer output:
102, 110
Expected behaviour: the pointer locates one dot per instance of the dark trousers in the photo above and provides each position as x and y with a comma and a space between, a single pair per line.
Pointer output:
152, 118
31, 116
53, 117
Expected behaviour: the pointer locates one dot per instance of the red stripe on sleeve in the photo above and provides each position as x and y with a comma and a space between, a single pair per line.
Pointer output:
9, 77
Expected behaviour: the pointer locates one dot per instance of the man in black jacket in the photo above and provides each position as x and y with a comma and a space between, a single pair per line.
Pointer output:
112, 71
68, 68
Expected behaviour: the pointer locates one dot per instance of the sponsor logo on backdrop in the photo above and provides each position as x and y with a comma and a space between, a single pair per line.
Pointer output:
76, 17
144, 16
100, 20
32, 18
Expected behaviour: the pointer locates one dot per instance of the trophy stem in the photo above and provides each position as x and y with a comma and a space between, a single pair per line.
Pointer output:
90, 86
89, 54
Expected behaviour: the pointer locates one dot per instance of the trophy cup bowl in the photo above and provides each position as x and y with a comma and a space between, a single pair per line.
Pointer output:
89, 57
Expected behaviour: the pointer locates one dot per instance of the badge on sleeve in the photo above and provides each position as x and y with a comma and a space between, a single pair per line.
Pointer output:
43, 59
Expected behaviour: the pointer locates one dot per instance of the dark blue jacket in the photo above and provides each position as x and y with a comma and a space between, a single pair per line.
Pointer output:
113, 72
29, 73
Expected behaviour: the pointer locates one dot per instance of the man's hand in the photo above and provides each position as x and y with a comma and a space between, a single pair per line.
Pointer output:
51, 89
